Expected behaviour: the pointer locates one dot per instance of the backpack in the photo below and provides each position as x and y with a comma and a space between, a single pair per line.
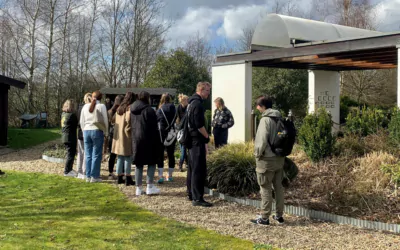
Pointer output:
183, 135
285, 137
171, 131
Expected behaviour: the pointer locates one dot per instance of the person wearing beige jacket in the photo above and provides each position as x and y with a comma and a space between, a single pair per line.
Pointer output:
122, 140
269, 167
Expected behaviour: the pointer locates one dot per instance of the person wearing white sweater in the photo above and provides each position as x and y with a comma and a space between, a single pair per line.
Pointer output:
94, 123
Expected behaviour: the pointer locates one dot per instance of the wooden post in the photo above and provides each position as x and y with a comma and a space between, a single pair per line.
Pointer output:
3, 113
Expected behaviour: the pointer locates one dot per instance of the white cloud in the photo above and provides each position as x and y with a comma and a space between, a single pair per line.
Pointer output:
238, 18
388, 15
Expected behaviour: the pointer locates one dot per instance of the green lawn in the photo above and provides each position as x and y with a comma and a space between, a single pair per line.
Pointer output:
24, 138
39, 211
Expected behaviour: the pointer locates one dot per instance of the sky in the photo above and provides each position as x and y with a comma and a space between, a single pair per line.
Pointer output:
221, 21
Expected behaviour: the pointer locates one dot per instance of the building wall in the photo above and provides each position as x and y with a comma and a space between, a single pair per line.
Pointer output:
3, 113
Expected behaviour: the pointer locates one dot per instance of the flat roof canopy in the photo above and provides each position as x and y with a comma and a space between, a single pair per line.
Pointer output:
365, 53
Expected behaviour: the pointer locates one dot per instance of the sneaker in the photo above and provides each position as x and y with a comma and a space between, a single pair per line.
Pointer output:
260, 221
93, 180
73, 171
280, 220
1, 172
139, 191
81, 176
111, 176
88, 179
161, 180
70, 174
202, 203
152, 190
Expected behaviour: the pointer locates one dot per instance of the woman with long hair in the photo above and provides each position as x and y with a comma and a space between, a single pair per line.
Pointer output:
183, 103
122, 140
81, 148
145, 141
94, 123
166, 115
111, 121
69, 125
222, 121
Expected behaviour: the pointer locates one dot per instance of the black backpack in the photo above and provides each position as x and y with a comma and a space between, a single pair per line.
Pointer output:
285, 137
183, 135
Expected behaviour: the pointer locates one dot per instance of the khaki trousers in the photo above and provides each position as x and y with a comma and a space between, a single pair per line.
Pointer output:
270, 173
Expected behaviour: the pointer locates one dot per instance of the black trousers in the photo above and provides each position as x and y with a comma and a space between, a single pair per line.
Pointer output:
197, 171
171, 155
220, 137
71, 152
111, 162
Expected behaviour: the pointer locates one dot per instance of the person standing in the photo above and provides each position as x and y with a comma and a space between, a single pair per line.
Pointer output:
81, 149
145, 141
111, 121
122, 140
222, 121
269, 166
166, 115
183, 102
69, 125
197, 171
94, 123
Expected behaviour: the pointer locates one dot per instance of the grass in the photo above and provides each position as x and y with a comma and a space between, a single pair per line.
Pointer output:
40, 211
25, 138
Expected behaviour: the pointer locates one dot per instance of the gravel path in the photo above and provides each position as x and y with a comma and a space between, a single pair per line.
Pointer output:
225, 217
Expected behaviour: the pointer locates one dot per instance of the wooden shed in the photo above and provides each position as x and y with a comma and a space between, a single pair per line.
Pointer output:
5, 83
155, 93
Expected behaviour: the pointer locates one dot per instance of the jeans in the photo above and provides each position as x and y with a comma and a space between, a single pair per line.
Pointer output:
197, 171
81, 164
183, 156
94, 140
220, 137
71, 152
124, 162
151, 169
171, 156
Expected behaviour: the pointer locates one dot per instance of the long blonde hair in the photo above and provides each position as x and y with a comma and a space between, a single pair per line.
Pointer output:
165, 98
221, 103
69, 106
87, 98
182, 97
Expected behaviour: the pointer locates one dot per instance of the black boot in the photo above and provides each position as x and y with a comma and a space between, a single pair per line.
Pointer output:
129, 181
120, 179
181, 166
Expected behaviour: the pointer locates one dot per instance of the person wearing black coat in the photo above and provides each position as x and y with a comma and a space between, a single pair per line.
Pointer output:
166, 116
183, 103
145, 141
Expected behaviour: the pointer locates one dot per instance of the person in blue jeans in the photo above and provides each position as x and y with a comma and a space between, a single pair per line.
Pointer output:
94, 123
183, 103
122, 140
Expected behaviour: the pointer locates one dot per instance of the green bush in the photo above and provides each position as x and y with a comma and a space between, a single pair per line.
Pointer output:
365, 122
208, 120
315, 135
394, 127
231, 169
345, 104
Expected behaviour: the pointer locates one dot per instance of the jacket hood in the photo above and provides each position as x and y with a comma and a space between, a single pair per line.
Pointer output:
271, 113
194, 98
138, 106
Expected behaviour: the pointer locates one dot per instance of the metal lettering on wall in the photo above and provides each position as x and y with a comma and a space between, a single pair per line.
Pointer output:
325, 100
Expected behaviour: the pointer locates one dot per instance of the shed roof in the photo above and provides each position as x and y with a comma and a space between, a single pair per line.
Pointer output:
123, 91
12, 82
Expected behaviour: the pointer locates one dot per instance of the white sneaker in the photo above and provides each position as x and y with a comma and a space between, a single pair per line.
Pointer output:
93, 180
139, 191
152, 190
70, 174
81, 176
87, 179
73, 171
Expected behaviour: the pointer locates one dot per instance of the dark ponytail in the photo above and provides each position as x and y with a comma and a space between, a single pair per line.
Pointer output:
95, 96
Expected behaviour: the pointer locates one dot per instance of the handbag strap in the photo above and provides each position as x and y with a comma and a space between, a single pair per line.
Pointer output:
169, 126
164, 116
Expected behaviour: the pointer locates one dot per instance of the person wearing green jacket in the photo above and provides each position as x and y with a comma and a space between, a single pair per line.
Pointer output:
69, 125
269, 166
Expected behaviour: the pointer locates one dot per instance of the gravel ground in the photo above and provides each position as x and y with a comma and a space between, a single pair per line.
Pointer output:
224, 217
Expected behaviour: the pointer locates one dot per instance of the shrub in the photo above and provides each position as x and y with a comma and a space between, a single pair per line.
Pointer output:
55, 150
208, 120
394, 171
365, 122
345, 103
231, 169
315, 135
394, 127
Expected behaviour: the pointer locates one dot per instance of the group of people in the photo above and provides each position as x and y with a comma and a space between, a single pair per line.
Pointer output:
137, 134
